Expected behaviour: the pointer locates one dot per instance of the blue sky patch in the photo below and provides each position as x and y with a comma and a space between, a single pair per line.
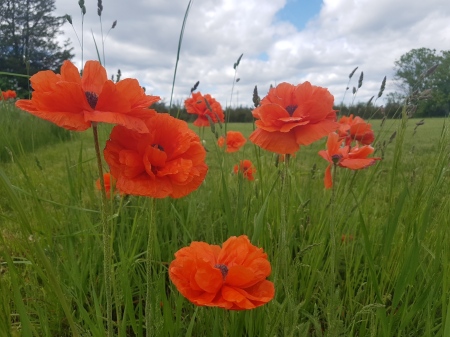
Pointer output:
299, 12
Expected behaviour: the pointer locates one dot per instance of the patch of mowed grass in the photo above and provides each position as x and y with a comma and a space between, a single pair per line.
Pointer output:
22, 133
390, 224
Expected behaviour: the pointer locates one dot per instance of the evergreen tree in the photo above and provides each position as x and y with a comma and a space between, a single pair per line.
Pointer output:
28, 41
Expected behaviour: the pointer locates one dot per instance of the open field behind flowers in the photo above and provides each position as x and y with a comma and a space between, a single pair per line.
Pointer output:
387, 225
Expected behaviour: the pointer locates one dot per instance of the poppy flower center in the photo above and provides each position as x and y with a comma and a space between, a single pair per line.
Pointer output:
335, 158
92, 98
291, 108
157, 146
223, 269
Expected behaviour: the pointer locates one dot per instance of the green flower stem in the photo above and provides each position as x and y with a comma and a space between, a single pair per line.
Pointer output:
107, 254
148, 267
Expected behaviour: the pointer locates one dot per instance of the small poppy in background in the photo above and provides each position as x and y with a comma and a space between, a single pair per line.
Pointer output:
221, 141
345, 238
355, 128
232, 277
204, 106
72, 101
293, 115
167, 161
354, 158
109, 183
8, 94
234, 140
246, 168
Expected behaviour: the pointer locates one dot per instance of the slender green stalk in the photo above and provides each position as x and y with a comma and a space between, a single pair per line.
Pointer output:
149, 257
180, 40
107, 263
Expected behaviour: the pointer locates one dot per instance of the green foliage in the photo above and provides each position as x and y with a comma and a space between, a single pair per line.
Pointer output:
391, 242
23, 133
28, 44
420, 70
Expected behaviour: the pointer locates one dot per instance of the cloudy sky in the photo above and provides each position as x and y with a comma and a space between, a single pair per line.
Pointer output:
282, 41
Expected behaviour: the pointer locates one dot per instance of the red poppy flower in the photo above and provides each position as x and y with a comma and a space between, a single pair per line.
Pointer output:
8, 94
235, 140
221, 141
202, 106
293, 115
246, 168
232, 277
354, 158
355, 128
73, 102
109, 183
167, 161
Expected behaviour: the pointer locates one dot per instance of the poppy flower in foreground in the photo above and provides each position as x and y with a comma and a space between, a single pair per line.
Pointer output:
197, 105
355, 128
354, 158
109, 183
167, 161
234, 140
293, 115
232, 277
8, 94
246, 168
73, 102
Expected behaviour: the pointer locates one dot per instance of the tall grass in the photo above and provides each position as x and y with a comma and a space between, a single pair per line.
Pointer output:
391, 242
22, 133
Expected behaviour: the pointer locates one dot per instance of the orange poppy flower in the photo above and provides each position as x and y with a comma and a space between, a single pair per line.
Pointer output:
221, 141
197, 105
167, 161
109, 183
355, 128
8, 94
293, 115
354, 158
73, 102
246, 168
232, 277
235, 140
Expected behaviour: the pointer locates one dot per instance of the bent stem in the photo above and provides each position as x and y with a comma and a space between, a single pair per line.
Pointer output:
148, 267
107, 265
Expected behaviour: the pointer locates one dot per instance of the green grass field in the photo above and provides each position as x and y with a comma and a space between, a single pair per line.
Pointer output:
369, 258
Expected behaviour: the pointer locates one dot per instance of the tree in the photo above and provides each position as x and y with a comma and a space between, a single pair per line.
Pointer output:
28, 41
423, 69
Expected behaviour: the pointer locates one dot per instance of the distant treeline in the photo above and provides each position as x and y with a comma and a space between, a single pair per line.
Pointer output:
243, 114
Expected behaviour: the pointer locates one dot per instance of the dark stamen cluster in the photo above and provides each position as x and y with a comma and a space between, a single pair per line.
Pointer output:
291, 108
92, 98
223, 269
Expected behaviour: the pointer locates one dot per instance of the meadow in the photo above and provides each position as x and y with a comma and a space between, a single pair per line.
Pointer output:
369, 257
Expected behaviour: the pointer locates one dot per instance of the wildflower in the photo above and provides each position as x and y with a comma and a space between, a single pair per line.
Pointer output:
232, 277
355, 128
221, 141
109, 183
354, 158
8, 94
167, 161
290, 116
205, 107
73, 102
346, 238
234, 140
246, 168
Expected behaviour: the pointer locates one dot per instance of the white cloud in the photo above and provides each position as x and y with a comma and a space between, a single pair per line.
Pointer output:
346, 33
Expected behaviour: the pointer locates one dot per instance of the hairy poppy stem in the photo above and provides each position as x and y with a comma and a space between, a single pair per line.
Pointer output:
284, 255
107, 265
148, 299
